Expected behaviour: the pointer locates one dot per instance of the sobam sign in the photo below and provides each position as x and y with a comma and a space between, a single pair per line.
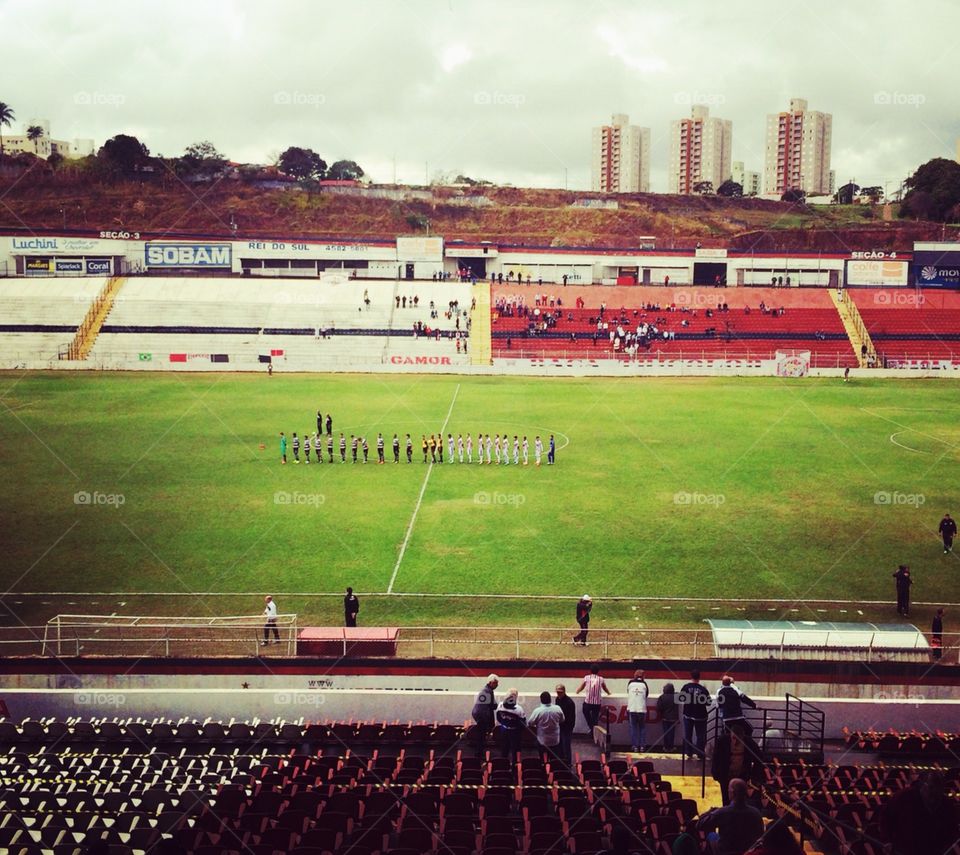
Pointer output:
188, 255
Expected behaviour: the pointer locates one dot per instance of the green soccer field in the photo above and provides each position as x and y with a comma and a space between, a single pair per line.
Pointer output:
711, 489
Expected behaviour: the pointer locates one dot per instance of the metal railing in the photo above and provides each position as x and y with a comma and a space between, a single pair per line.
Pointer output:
153, 635
656, 358
79, 635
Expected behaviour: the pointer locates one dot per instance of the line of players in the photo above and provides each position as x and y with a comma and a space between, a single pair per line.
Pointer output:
458, 449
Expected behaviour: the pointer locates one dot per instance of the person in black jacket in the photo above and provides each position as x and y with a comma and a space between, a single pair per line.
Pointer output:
351, 607
695, 702
669, 714
583, 619
948, 531
730, 704
903, 580
565, 702
484, 709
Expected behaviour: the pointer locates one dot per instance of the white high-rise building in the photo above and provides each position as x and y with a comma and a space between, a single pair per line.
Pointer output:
700, 150
749, 181
621, 157
798, 150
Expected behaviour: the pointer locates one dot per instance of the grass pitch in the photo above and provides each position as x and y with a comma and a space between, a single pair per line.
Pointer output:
708, 488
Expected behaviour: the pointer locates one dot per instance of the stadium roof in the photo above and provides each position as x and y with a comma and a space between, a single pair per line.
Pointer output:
788, 639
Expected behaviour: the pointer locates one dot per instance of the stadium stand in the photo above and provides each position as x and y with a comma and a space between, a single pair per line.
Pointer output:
696, 325
39, 317
304, 324
911, 329
367, 787
352, 787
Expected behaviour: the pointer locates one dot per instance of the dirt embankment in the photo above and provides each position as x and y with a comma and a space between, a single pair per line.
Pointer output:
505, 215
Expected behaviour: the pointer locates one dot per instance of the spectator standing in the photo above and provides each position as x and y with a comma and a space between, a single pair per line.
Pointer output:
903, 582
936, 635
730, 703
669, 714
270, 626
583, 619
737, 825
512, 722
351, 607
948, 531
569, 709
594, 687
547, 719
695, 702
484, 710
637, 693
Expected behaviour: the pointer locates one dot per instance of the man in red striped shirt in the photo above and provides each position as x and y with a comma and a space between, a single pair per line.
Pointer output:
595, 686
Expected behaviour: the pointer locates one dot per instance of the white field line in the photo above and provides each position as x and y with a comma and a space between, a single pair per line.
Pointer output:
465, 595
416, 509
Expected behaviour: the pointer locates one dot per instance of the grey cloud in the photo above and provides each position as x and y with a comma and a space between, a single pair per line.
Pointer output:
366, 80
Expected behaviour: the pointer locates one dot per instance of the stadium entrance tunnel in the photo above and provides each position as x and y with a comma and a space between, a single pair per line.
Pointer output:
706, 272
474, 266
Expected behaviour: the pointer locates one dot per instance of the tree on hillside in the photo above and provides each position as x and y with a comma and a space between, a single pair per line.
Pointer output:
302, 164
345, 170
846, 193
933, 191
794, 194
730, 188
874, 193
35, 134
124, 154
201, 160
703, 187
6, 118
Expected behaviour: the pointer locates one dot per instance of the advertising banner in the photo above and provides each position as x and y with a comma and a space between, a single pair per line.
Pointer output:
188, 255
891, 274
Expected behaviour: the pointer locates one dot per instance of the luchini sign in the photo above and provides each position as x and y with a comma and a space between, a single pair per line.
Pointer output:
188, 255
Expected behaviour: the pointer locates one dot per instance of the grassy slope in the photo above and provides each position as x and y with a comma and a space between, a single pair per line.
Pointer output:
517, 215
797, 465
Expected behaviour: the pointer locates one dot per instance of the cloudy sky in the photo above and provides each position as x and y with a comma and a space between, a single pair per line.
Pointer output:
506, 91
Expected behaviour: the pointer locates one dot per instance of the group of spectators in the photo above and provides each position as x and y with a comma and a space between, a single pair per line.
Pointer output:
556, 717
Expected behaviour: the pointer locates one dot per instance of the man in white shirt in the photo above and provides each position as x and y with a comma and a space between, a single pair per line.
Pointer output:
637, 693
270, 612
546, 719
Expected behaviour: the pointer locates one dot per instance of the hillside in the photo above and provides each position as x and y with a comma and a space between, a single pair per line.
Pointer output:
49, 201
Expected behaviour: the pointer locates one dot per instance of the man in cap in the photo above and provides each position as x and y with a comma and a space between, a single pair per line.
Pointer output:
583, 619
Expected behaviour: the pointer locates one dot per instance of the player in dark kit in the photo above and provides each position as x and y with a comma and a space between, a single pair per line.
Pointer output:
319, 423
396, 449
948, 531
329, 425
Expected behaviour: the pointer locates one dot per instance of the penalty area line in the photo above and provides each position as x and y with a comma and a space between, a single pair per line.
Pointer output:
416, 508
